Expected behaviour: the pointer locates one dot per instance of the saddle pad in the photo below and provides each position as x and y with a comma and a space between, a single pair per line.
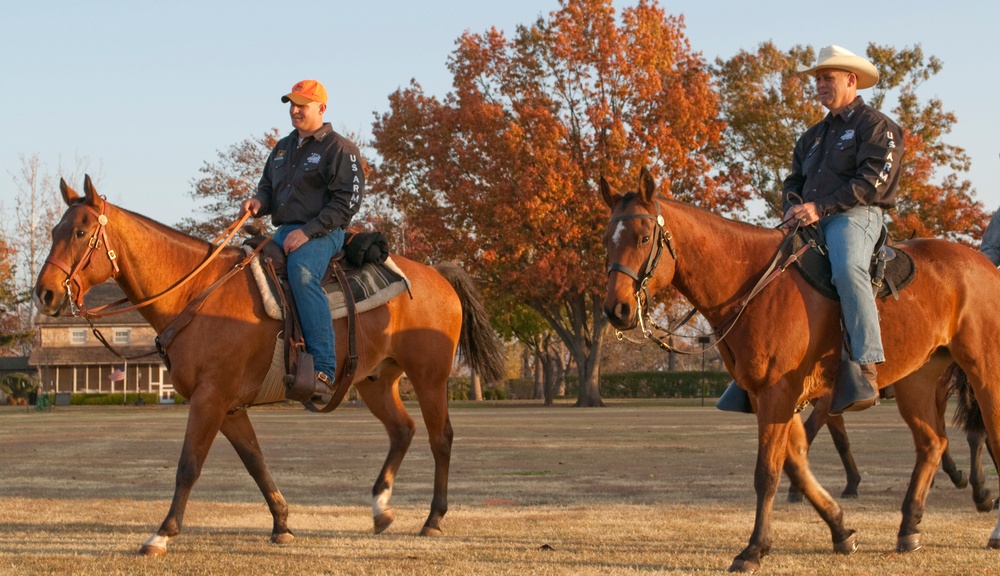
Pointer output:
372, 286
815, 268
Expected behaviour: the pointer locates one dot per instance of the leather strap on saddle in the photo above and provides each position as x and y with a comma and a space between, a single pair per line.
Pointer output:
300, 376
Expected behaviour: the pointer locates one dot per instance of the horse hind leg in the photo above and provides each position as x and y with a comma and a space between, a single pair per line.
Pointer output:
382, 398
240, 433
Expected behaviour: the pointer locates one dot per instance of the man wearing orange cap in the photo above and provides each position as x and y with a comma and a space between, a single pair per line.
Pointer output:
312, 186
845, 170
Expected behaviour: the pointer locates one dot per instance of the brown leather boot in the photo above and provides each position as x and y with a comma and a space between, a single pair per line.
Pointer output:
855, 388
324, 388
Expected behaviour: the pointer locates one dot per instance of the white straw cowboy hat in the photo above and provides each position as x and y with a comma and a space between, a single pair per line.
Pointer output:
834, 56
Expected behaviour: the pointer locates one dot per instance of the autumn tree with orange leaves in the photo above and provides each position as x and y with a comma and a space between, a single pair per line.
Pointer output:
501, 174
767, 105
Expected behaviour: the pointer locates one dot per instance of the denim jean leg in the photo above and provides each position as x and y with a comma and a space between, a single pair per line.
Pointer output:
850, 239
306, 266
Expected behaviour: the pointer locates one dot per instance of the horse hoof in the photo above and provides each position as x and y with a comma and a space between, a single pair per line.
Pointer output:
283, 538
848, 545
847, 493
909, 543
795, 498
993, 544
962, 482
744, 566
152, 551
985, 505
429, 531
383, 521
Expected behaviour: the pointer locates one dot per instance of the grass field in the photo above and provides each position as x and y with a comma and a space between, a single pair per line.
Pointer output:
633, 488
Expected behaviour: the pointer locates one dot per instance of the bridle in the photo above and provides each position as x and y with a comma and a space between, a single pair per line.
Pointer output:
662, 237
98, 238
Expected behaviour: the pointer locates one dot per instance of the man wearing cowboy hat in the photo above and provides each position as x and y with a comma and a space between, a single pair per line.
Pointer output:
845, 170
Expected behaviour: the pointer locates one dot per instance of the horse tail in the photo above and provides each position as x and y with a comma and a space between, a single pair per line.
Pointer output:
967, 414
479, 344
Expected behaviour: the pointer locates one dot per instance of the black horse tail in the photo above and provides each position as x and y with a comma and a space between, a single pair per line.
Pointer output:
967, 414
479, 344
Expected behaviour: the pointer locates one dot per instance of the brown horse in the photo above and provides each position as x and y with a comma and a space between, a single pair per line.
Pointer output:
783, 344
219, 360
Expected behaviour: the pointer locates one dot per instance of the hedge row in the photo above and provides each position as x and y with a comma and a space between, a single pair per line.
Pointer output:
620, 385
112, 399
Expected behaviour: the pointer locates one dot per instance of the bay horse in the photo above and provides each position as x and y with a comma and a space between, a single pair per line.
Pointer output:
783, 344
218, 361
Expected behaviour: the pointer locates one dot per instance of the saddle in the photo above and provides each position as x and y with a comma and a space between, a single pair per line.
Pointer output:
360, 277
891, 268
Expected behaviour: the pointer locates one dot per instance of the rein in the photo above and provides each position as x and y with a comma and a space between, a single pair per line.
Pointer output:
100, 237
661, 238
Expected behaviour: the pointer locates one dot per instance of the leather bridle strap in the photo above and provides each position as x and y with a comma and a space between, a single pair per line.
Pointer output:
72, 273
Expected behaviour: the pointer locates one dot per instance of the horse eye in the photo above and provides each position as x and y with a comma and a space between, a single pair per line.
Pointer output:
80, 233
645, 240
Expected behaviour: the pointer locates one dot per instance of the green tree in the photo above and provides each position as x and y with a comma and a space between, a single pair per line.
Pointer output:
502, 173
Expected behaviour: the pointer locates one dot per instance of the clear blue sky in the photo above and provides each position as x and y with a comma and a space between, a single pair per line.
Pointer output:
145, 92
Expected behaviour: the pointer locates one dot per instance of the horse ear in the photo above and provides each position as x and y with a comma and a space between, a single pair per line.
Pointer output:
89, 190
647, 184
607, 193
69, 195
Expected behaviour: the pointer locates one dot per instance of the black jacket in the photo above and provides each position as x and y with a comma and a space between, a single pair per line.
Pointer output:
847, 160
318, 184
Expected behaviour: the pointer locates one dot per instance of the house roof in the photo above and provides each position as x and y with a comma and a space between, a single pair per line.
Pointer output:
13, 364
104, 293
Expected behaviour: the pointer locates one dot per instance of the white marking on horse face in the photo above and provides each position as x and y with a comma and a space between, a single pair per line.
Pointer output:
616, 238
157, 541
380, 503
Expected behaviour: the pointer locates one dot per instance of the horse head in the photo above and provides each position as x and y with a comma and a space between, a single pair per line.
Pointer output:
634, 240
71, 269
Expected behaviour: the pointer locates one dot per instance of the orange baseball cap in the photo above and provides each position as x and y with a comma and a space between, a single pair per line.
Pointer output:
306, 91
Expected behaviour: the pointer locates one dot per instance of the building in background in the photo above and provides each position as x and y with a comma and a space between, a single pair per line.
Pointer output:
70, 358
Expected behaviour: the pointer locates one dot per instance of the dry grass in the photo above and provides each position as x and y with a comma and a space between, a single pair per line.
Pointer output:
635, 488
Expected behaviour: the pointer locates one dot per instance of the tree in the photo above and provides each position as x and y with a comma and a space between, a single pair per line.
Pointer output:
13, 333
502, 173
225, 183
767, 106
35, 214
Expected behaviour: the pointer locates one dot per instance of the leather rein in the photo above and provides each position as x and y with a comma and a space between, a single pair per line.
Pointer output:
663, 238
99, 239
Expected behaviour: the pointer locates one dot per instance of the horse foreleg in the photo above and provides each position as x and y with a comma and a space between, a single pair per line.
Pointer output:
204, 421
382, 398
838, 432
797, 468
772, 444
930, 442
239, 431
817, 419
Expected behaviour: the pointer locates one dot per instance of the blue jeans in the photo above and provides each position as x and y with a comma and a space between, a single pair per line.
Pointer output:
306, 266
850, 239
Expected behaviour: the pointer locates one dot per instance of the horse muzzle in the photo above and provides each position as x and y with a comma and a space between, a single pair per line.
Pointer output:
50, 302
621, 315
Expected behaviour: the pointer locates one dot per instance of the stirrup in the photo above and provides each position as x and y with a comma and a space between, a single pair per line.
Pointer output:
734, 399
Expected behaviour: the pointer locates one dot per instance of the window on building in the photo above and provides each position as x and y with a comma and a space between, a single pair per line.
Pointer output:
122, 335
77, 336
